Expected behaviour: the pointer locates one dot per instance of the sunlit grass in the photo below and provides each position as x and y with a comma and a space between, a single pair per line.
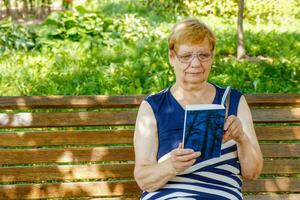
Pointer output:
130, 54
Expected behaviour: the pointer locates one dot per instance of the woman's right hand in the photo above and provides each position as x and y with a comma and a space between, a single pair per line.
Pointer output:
181, 158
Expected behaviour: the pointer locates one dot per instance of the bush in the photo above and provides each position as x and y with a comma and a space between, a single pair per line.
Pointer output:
13, 36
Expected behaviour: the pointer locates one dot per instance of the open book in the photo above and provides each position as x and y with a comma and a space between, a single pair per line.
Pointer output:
203, 126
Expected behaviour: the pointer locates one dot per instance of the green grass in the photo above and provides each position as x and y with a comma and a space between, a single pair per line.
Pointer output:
119, 47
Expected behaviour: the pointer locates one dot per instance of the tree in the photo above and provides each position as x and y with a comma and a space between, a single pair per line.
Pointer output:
241, 52
67, 4
7, 5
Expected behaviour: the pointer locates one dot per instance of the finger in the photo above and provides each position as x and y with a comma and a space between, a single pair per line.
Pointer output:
189, 157
235, 129
190, 163
180, 146
235, 124
228, 122
232, 127
226, 137
237, 134
182, 152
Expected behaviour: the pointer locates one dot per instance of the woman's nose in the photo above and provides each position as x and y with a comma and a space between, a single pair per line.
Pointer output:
196, 62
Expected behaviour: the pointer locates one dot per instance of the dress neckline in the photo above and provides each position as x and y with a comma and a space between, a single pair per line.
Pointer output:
179, 105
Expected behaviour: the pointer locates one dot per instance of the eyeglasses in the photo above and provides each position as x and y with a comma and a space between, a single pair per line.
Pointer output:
189, 57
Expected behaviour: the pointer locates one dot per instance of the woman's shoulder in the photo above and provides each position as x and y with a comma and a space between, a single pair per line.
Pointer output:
234, 93
157, 96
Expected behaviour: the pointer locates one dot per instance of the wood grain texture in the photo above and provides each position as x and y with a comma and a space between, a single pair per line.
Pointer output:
107, 171
63, 155
96, 189
91, 154
104, 101
82, 101
52, 138
273, 99
276, 184
278, 132
76, 119
280, 150
281, 166
272, 115
272, 197
66, 119
66, 172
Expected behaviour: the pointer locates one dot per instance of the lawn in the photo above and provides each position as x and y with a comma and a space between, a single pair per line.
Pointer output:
120, 47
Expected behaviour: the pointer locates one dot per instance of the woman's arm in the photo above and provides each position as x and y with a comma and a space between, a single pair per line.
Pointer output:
241, 129
149, 174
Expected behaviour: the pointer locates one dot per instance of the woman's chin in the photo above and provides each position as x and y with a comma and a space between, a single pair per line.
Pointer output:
194, 77
194, 80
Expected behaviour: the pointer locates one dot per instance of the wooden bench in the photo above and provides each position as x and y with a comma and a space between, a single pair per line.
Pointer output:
80, 147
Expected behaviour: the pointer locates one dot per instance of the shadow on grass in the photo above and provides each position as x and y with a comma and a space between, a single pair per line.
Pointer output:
139, 8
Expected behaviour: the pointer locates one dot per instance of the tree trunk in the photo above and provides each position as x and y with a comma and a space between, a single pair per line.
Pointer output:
31, 7
16, 10
49, 3
241, 52
7, 5
25, 8
43, 8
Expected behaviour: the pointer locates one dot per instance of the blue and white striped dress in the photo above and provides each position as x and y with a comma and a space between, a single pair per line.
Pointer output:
215, 178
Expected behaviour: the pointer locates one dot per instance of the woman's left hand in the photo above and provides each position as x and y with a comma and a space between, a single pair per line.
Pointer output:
233, 129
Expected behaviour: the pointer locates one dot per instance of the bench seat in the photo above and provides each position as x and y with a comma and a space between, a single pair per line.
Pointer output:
81, 147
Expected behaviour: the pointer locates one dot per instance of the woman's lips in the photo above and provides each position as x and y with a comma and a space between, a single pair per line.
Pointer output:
193, 72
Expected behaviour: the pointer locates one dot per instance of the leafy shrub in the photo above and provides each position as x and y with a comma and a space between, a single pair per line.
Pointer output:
71, 25
13, 36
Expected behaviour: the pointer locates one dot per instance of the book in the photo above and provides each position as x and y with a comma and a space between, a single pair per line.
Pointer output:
203, 126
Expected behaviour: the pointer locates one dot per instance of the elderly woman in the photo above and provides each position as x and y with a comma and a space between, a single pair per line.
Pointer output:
165, 170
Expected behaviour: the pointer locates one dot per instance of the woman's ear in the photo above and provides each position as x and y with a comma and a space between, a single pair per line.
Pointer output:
171, 57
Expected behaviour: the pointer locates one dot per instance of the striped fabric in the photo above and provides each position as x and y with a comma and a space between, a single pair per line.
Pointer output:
215, 178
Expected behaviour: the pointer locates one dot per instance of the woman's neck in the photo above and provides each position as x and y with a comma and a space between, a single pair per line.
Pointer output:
193, 94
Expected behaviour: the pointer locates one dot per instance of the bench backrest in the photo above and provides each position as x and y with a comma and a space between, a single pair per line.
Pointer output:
82, 146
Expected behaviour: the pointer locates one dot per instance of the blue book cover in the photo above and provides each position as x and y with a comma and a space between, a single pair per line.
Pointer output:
203, 127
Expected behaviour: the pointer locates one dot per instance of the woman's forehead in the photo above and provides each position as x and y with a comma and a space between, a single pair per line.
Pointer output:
193, 48
200, 46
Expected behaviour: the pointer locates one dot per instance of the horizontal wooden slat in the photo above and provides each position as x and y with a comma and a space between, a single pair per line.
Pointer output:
48, 138
67, 119
280, 150
60, 155
273, 99
78, 189
66, 172
104, 101
279, 184
278, 132
97, 101
95, 189
276, 114
272, 196
107, 171
281, 166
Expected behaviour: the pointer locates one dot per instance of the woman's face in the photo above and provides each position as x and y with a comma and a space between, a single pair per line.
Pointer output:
192, 63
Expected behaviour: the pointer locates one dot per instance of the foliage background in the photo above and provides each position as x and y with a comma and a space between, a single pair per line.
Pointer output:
120, 47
